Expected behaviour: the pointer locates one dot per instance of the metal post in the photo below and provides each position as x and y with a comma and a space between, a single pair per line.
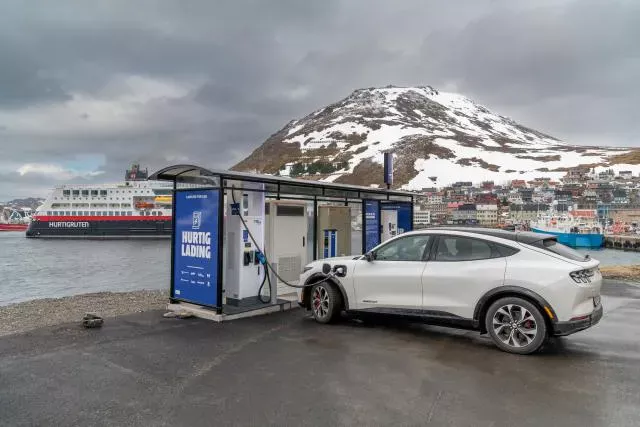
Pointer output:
173, 239
364, 228
314, 232
221, 208
273, 281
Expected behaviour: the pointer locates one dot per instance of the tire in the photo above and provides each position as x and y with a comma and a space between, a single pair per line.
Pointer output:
530, 332
326, 302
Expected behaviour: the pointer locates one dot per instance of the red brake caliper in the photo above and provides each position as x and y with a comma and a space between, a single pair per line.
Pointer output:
316, 299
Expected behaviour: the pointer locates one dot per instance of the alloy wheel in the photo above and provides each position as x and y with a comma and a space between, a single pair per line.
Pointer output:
320, 302
514, 325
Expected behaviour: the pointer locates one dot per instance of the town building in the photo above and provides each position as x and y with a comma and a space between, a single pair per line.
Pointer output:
421, 218
487, 214
466, 214
526, 212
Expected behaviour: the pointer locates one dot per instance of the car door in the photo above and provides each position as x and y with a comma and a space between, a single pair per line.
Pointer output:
460, 270
392, 281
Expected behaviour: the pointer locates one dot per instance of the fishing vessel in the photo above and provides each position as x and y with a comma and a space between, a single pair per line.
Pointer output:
134, 208
576, 228
14, 219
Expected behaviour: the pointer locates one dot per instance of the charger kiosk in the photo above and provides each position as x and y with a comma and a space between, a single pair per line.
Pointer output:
243, 271
334, 231
389, 224
286, 239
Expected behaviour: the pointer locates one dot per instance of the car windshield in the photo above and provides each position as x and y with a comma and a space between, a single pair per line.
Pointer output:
552, 245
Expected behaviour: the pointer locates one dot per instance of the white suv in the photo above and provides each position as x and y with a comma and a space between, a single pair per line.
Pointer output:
519, 287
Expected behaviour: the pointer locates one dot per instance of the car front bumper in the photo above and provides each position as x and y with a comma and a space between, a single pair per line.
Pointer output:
573, 326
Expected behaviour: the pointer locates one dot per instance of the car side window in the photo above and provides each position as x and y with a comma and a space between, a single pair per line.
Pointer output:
409, 248
455, 248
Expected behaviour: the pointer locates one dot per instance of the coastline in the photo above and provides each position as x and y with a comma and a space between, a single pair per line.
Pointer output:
34, 314
621, 272
29, 315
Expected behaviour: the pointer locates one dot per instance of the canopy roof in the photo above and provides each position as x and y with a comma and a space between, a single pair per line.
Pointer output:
279, 184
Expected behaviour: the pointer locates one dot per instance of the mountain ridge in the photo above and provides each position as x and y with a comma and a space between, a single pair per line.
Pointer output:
438, 138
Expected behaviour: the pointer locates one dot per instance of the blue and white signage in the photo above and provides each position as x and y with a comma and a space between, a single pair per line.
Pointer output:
195, 268
388, 168
405, 219
371, 224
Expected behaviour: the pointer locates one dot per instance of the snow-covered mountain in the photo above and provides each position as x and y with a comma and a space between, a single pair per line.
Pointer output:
438, 138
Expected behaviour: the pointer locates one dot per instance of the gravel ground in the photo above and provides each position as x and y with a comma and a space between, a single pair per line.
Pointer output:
34, 314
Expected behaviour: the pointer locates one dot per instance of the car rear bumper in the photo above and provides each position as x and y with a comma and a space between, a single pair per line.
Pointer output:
573, 326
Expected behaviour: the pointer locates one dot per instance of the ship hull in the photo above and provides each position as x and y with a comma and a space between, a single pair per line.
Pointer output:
100, 227
575, 240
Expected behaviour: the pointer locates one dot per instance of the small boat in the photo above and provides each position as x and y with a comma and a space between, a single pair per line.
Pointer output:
144, 205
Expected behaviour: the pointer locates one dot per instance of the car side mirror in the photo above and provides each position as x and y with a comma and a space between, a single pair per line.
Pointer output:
369, 256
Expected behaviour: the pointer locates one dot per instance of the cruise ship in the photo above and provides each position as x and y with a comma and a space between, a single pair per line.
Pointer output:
134, 208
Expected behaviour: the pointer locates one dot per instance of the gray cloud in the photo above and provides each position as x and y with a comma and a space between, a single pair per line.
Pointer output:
207, 81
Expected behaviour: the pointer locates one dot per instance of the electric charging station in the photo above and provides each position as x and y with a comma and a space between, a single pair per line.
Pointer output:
286, 239
334, 231
244, 273
220, 228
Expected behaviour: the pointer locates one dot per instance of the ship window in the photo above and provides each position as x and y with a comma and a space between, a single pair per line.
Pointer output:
66, 193
123, 213
85, 192
105, 213
75, 192
94, 193
73, 213
116, 213
103, 193
49, 213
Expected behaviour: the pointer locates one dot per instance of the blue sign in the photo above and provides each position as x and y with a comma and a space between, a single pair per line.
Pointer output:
388, 168
195, 250
371, 224
405, 222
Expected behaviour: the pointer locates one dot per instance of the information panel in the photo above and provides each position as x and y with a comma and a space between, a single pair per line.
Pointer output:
371, 226
195, 250
405, 221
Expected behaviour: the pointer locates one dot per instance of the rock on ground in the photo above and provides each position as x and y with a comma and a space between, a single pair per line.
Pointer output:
25, 316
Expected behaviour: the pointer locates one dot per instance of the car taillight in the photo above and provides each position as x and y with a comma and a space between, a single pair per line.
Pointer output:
582, 276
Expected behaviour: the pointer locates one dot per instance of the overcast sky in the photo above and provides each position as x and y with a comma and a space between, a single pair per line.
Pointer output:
86, 87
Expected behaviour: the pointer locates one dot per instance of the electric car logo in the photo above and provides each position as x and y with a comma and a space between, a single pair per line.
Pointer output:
197, 220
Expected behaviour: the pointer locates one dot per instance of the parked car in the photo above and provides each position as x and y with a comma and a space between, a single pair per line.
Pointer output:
519, 287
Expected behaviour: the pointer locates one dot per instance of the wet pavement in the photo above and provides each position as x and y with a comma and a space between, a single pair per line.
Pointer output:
285, 369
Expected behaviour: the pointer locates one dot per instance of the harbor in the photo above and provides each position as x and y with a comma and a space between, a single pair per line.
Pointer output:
625, 242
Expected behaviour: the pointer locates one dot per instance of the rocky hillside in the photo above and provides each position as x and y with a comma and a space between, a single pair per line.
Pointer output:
438, 138
30, 202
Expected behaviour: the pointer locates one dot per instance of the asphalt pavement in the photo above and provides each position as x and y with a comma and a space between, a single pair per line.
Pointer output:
285, 369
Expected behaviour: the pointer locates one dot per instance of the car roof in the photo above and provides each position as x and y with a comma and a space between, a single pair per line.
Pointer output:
516, 236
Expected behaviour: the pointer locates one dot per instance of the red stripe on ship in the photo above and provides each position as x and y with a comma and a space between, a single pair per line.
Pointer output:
101, 218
